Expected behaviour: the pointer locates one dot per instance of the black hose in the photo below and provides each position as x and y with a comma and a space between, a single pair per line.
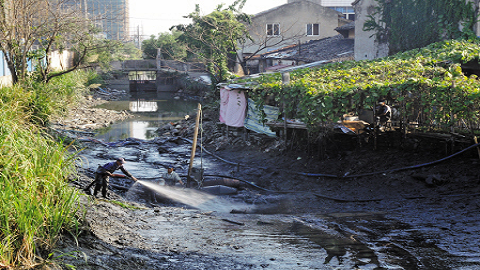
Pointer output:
244, 181
222, 159
351, 176
394, 170
332, 175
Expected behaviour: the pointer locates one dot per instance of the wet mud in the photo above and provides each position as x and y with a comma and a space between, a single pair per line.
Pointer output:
277, 218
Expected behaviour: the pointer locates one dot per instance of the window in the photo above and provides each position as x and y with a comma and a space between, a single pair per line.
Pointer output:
273, 29
348, 12
313, 29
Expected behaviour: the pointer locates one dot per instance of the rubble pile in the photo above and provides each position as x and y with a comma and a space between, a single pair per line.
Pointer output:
218, 136
86, 117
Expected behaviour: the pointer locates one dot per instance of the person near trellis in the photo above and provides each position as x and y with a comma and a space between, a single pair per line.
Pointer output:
383, 113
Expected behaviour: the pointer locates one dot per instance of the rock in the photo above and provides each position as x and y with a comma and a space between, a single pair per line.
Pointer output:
220, 190
167, 127
162, 150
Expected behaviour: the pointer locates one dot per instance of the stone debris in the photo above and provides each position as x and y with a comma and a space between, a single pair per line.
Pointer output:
87, 117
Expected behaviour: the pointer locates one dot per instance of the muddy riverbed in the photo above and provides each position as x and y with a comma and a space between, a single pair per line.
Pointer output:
282, 218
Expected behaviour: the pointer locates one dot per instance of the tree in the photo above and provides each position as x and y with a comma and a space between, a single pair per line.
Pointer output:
128, 51
169, 46
410, 24
30, 30
108, 50
215, 38
261, 41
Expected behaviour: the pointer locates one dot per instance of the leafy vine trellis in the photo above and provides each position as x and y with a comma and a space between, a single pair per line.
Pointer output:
427, 82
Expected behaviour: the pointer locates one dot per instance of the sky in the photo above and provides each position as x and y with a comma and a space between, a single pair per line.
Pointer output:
151, 17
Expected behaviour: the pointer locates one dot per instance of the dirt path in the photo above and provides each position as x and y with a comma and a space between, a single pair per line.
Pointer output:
383, 221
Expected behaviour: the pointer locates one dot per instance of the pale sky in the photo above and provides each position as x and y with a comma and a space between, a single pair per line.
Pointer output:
151, 17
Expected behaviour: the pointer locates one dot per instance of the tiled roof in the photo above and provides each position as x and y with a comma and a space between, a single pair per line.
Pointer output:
335, 48
348, 26
355, 2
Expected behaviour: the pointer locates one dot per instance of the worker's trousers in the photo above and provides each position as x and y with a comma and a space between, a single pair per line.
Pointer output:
101, 182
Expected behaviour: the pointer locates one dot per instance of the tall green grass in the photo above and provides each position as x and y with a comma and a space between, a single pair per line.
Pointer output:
56, 96
36, 204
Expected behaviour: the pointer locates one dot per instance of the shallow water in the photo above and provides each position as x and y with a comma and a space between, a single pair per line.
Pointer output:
150, 114
197, 199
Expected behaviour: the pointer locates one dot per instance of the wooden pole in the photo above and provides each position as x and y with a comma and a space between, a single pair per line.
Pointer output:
476, 141
194, 144
285, 81
285, 129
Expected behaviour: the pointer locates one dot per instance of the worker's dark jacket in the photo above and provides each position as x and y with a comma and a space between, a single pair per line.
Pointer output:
384, 113
111, 167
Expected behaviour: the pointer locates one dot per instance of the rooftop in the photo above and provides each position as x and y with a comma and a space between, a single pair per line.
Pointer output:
336, 48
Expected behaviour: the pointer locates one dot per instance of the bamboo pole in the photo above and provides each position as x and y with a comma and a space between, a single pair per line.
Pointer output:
476, 141
285, 81
194, 144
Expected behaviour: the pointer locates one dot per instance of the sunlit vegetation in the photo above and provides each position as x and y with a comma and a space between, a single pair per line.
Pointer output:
36, 205
426, 83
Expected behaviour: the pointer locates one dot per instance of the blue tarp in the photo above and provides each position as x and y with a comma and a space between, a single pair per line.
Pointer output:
253, 121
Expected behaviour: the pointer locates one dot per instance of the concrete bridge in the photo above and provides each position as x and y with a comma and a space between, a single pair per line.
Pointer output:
158, 75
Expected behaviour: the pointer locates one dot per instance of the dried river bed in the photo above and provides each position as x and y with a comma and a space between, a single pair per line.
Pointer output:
278, 231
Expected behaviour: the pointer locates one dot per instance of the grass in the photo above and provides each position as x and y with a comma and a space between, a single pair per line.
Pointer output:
126, 205
36, 204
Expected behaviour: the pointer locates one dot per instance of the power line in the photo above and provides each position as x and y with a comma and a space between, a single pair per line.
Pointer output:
159, 19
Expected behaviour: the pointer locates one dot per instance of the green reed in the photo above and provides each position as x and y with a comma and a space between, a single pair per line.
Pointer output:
36, 204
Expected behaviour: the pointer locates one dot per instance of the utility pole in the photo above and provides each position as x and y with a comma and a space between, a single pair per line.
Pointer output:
138, 35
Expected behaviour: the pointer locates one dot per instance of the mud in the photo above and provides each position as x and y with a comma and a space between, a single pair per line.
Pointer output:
281, 218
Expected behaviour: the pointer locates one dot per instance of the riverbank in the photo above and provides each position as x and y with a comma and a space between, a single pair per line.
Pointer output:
85, 117
36, 204
394, 220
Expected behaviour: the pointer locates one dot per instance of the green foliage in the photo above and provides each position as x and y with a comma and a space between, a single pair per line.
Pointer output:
410, 24
93, 78
128, 51
214, 38
46, 99
427, 81
169, 46
36, 203
125, 205
105, 51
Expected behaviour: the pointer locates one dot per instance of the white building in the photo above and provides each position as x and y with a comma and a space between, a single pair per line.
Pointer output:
293, 23
343, 6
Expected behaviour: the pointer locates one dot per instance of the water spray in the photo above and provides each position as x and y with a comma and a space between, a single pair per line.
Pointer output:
196, 198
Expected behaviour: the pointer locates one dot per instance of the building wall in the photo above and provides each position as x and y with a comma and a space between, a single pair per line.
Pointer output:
328, 3
366, 47
5, 81
293, 19
336, 3
61, 60
344, 6
477, 26
111, 15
